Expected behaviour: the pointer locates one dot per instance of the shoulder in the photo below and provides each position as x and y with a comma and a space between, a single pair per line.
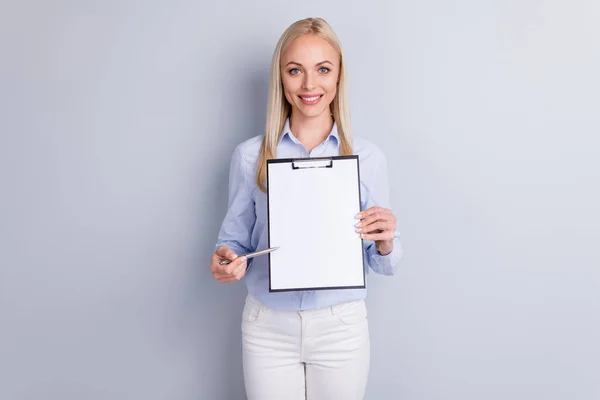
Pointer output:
368, 152
249, 149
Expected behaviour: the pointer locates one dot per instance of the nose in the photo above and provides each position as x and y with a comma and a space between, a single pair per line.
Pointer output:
308, 83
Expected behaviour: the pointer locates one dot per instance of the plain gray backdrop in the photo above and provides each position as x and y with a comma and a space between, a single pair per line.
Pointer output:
118, 120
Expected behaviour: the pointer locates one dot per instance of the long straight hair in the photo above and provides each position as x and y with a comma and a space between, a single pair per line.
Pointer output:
278, 108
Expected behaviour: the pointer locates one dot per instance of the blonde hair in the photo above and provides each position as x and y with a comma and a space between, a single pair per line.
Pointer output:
278, 108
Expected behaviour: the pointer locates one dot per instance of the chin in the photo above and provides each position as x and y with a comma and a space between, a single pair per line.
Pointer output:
311, 112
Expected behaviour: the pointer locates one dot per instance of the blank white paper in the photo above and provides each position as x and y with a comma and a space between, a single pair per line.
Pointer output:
311, 220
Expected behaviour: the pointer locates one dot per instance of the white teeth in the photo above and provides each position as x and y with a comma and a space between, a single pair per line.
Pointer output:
310, 98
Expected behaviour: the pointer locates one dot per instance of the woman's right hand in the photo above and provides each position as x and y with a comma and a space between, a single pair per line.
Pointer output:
231, 272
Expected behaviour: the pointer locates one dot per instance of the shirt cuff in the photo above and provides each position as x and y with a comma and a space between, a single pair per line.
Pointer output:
237, 248
386, 265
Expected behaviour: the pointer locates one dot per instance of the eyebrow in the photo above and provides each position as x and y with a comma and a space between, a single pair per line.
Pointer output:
297, 63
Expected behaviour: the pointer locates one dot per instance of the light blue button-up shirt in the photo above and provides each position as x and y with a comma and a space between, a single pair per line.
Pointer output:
245, 227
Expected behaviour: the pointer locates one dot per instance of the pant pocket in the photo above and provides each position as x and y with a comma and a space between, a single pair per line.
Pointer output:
352, 313
251, 312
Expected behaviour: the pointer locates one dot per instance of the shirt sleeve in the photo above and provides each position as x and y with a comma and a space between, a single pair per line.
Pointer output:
236, 228
378, 195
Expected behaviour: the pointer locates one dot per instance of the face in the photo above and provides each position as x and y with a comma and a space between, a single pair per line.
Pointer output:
309, 73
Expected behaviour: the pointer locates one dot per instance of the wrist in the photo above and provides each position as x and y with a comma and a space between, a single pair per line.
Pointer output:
385, 248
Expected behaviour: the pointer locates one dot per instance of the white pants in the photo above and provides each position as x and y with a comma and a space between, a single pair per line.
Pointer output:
318, 354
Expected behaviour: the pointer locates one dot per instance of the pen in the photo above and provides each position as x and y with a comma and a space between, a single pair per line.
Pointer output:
396, 234
250, 255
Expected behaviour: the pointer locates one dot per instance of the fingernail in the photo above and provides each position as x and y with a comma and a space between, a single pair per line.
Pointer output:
233, 256
357, 216
359, 223
243, 258
358, 229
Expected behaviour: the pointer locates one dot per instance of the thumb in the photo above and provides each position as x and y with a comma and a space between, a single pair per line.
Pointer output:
226, 252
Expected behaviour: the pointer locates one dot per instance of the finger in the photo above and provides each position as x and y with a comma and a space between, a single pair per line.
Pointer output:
225, 253
373, 210
375, 217
214, 262
240, 271
387, 218
387, 235
370, 212
377, 226
221, 274
234, 265
227, 280
222, 269
228, 268
239, 275
230, 278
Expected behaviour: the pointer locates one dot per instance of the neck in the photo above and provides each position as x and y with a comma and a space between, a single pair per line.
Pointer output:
311, 131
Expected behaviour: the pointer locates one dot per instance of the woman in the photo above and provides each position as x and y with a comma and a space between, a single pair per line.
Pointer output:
304, 344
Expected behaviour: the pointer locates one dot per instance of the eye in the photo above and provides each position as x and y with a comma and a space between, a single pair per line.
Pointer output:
294, 71
324, 70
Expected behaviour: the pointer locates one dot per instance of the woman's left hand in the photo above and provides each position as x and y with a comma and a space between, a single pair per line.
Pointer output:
378, 224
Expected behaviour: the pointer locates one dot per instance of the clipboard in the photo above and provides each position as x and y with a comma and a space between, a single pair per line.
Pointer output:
311, 208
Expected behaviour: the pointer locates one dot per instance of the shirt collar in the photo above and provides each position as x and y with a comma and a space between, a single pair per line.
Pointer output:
286, 131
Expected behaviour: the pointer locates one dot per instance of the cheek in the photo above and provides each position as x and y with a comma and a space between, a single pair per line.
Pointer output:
331, 88
333, 91
288, 89
330, 82
287, 96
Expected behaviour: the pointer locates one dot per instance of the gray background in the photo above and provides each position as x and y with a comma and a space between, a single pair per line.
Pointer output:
117, 122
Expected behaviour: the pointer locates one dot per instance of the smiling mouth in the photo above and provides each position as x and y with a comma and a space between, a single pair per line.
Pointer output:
310, 100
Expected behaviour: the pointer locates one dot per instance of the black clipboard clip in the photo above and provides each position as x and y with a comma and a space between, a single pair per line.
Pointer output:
316, 162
